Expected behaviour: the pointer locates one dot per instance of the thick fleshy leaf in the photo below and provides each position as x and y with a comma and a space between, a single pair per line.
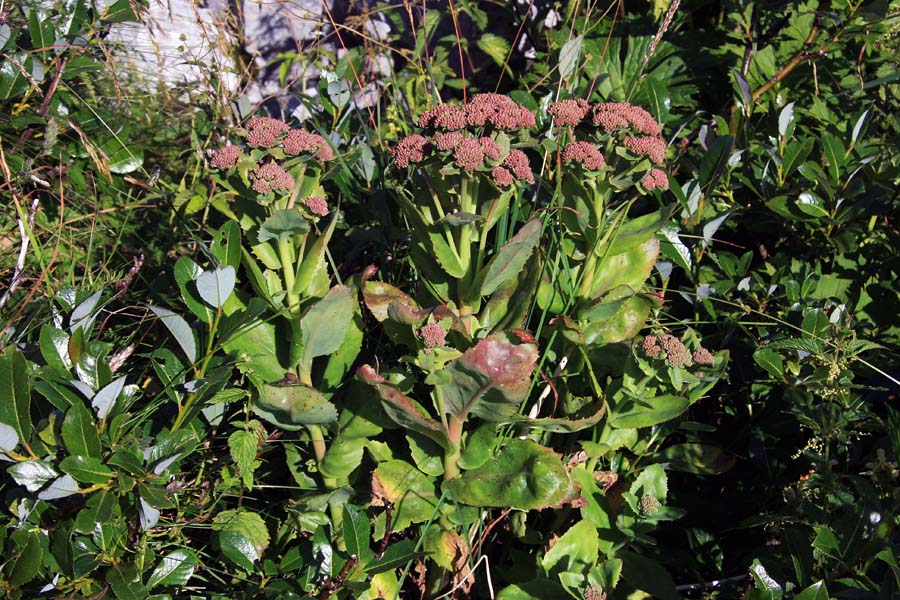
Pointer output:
401, 409
312, 278
326, 323
216, 286
293, 406
510, 259
411, 491
522, 475
186, 273
616, 321
561, 425
492, 377
629, 268
655, 411
282, 225
255, 348
575, 551
379, 296
15, 392
179, 329
175, 568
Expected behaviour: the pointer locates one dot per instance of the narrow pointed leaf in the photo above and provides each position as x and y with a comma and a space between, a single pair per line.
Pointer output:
179, 329
15, 392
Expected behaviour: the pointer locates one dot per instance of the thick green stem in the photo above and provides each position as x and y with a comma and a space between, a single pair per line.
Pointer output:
453, 452
288, 266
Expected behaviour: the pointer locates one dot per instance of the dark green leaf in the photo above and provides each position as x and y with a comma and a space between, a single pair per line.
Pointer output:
510, 259
15, 392
86, 469
293, 406
282, 225
175, 568
357, 534
24, 562
658, 410
125, 581
179, 329
771, 361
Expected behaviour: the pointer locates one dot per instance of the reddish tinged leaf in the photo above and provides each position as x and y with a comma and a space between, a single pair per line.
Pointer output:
401, 409
380, 296
508, 367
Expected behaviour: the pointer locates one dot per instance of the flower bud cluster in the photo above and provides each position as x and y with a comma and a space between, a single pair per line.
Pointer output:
483, 110
675, 352
271, 177
226, 157
461, 137
301, 141
639, 131
265, 132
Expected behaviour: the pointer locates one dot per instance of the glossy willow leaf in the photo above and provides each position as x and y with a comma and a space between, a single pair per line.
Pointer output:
179, 329
401, 409
22, 564
15, 392
86, 469
216, 286
54, 345
242, 536
79, 432
816, 591
147, 514
33, 474
293, 406
764, 582
522, 475
657, 410
357, 534
105, 399
62, 487
125, 581
9, 438
175, 568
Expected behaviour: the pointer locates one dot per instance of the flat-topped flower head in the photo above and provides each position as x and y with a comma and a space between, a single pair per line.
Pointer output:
702, 356
677, 355
468, 154
502, 177
498, 111
614, 115
569, 112
490, 148
656, 179
517, 162
410, 150
433, 335
443, 117
271, 177
447, 141
584, 153
651, 146
317, 205
301, 141
264, 132
225, 157
650, 346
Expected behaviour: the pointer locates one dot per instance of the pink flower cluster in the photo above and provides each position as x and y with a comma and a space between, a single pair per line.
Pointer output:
225, 157
410, 150
584, 153
655, 179
317, 205
271, 177
449, 140
651, 146
515, 166
677, 355
613, 115
702, 356
569, 112
433, 335
495, 110
301, 141
264, 132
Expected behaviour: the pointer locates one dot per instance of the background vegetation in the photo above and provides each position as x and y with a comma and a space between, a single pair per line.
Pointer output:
399, 377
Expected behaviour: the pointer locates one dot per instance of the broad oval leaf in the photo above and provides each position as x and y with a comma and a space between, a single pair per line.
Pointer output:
62, 487
326, 323
242, 536
33, 474
522, 475
660, 410
175, 568
283, 224
294, 406
216, 286
86, 469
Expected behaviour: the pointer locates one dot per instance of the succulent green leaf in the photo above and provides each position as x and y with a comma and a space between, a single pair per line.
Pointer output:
15, 392
326, 323
575, 551
282, 225
410, 490
522, 475
651, 412
294, 406
401, 409
510, 259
